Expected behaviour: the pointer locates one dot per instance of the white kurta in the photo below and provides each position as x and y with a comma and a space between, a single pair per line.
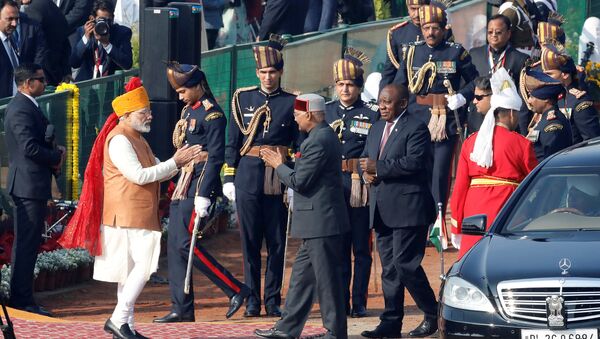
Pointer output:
123, 248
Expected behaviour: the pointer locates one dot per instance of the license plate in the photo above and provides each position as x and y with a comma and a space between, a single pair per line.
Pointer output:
560, 334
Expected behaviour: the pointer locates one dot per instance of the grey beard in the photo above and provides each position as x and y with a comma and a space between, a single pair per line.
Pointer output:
142, 128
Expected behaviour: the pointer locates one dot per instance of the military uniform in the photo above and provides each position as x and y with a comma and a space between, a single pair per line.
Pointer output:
201, 123
353, 124
578, 107
451, 62
261, 215
397, 36
550, 134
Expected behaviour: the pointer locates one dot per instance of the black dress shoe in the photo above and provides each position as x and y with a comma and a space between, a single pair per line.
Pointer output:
358, 311
252, 311
383, 331
272, 333
237, 301
174, 317
425, 329
121, 333
37, 310
138, 335
273, 311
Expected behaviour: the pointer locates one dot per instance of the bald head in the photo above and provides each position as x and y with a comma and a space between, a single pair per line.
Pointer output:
393, 100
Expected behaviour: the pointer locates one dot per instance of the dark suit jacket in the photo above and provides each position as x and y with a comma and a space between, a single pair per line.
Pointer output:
319, 207
401, 193
30, 157
283, 17
514, 62
76, 12
56, 32
32, 49
120, 57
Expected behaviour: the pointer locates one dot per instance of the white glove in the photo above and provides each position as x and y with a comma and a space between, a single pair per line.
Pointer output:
455, 239
456, 101
201, 205
290, 198
229, 191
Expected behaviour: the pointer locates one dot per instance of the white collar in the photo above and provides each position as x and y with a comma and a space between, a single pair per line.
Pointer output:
31, 98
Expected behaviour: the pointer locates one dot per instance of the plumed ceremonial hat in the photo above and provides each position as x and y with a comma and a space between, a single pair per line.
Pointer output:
554, 57
552, 29
270, 55
542, 86
183, 75
435, 11
417, 2
350, 67
309, 103
131, 101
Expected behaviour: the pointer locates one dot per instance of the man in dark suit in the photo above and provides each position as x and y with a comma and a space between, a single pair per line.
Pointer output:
397, 163
75, 11
283, 17
22, 42
487, 59
319, 219
97, 53
32, 161
56, 31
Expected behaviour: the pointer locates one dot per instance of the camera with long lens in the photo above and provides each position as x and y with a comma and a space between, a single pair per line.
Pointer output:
102, 26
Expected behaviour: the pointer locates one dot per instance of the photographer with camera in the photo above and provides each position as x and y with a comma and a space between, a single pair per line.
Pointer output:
101, 46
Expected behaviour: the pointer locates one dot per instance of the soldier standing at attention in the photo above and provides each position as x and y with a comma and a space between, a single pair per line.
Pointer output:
351, 119
262, 117
432, 71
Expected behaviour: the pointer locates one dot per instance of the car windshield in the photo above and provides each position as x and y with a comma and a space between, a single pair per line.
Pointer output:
559, 200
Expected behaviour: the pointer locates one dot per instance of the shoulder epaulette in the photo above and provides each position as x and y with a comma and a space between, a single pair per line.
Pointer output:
398, 25
246, 89
196, 105
207, 104
551, 115
213, 116
583, 105
577, 93
553, 127
295, 92
330, 102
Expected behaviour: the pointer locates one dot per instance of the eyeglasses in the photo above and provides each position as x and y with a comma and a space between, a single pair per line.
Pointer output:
145, 112
41, 79
496, 32
480, 97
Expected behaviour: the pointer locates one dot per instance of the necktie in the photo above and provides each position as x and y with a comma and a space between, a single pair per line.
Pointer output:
12, 54
386, 135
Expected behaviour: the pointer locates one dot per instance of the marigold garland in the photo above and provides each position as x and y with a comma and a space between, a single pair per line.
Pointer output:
72, 131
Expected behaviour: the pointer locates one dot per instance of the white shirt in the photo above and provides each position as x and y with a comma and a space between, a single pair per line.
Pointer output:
32, 99
9, 52
123, 155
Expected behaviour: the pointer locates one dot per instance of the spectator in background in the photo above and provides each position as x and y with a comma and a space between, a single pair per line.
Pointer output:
283, 17
56, 31
101, 46
321, 15
213, 19
32, 161
75, 11
22, 41
356, 11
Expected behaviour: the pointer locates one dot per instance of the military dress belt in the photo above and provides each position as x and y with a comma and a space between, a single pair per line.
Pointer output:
350, 165
432, 100
255, 150
488, 181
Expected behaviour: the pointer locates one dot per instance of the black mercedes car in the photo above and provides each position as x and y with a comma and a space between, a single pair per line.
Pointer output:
536, 273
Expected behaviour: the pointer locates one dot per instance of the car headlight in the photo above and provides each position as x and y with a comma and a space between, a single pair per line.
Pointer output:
458, 293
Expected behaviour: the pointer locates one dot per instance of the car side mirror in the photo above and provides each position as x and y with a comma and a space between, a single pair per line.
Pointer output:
474, 225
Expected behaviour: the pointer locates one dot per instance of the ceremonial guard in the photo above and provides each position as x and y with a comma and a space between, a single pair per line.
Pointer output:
351, 119
522, 25
432, 71
492, 161
399, 35
575, 104
261, 117
202, 123
549, 130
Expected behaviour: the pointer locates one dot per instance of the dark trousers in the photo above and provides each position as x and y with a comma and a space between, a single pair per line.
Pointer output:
442, 161
211, 37
28, 227
262, 217
321, 15
178, 243
401, 251
358, 243
316, 273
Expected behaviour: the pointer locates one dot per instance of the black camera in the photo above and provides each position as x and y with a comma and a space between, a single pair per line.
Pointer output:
102, 26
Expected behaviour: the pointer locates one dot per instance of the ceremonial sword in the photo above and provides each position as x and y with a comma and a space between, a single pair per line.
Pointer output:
197, 219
